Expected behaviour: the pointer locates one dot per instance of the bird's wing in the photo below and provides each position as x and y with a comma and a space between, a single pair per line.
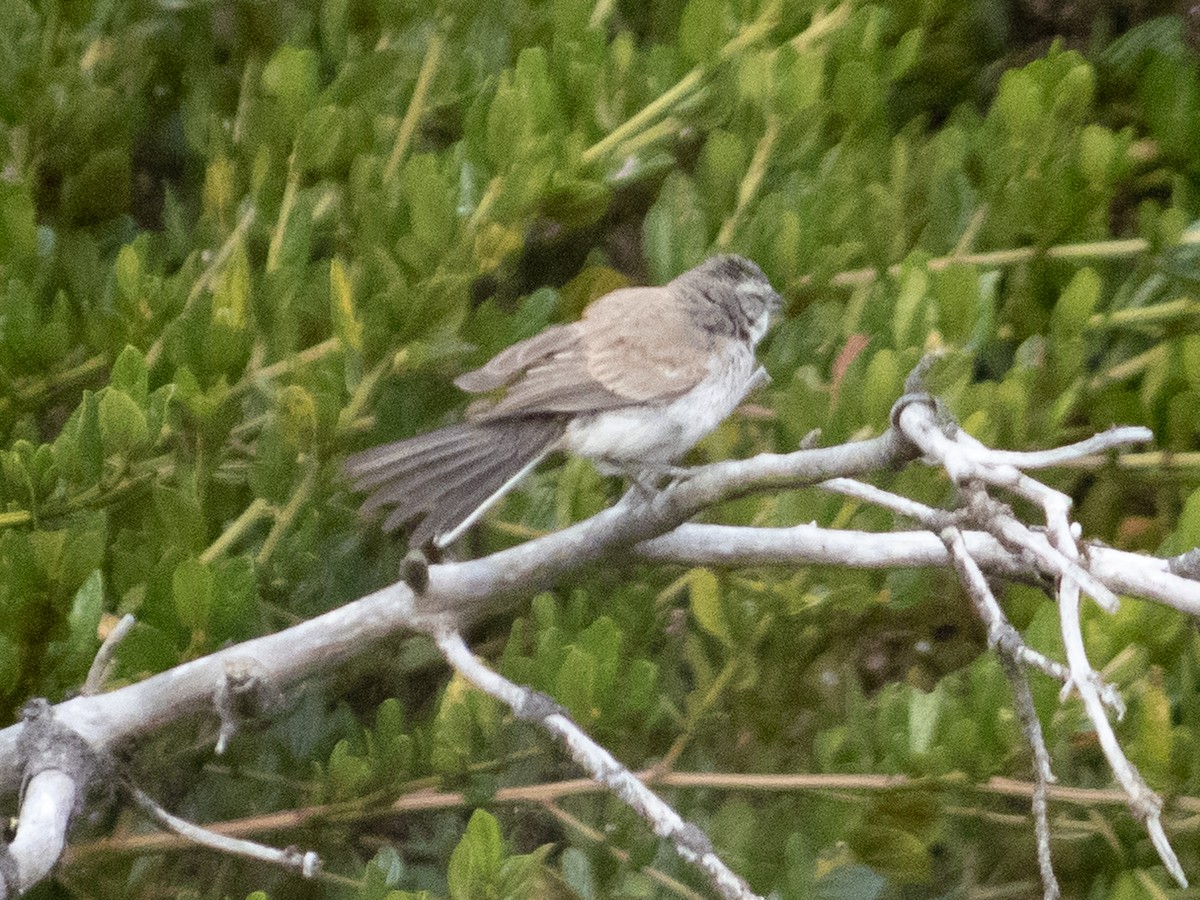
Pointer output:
634, 346
510, 364
644, 344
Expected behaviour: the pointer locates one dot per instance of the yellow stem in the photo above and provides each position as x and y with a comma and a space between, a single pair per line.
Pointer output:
287, 515
1129, 368
755, 173
207, 276
16, 517
596, 837
822, 24
284, 366
275, 249
645, 117
31, 391
1147, 315
258, 509
1115, 249
416, 106
362, 394
967, 241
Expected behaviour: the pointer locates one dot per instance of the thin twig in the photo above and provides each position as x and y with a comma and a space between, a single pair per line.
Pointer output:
967, 462
286, 516
306, 864
291, 190
1003, 637
755, 173
258, 509
416, 107
1115, 249
206, 277
102, 664
688, 840
656, 875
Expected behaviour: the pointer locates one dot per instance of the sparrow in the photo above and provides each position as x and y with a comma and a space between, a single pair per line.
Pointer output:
632, 386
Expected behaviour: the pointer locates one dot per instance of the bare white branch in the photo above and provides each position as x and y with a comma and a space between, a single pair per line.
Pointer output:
918, 512
102, 664
1112, 439
798, 545
46, 809
1013, 652
689, 841
971, 464
304, 863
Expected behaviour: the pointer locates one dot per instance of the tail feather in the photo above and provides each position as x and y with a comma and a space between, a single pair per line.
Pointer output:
419, 486
490, 485
384, 463
450, 476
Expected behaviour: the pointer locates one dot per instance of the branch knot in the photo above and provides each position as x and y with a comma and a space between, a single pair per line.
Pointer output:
47, 744
536, 706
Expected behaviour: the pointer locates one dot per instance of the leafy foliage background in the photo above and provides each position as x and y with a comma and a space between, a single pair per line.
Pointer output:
238, 240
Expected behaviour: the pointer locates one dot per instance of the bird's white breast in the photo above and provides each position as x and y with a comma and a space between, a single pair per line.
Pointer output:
626, 439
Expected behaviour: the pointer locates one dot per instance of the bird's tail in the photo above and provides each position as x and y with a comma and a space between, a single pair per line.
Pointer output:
451, 476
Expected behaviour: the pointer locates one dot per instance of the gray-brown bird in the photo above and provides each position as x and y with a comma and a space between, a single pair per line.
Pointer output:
633, 385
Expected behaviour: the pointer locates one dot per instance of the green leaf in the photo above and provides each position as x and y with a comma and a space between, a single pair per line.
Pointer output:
892, 852
10, 665
641, 684
89, 443
290, 76
128, 272
231, 295
180, 520
1153, 724
129, 374
345, 320
465, 719
18, 226
387, 866
349, 774
705, 592
296, 414
575, 687
957, 291
233, 605
429, 201
884, 383
702, 31
145, 651
193, 588
1075, 305
674, 232
475, 862
329, 138
22, 598
1097, 154
83, 623
123, 427
914, 285
924, 709
852, 882
602, 641
577, 873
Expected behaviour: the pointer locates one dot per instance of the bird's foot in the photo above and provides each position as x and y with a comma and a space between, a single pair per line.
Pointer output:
650, 479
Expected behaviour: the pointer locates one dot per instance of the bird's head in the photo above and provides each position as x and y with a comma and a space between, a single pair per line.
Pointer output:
738, 286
